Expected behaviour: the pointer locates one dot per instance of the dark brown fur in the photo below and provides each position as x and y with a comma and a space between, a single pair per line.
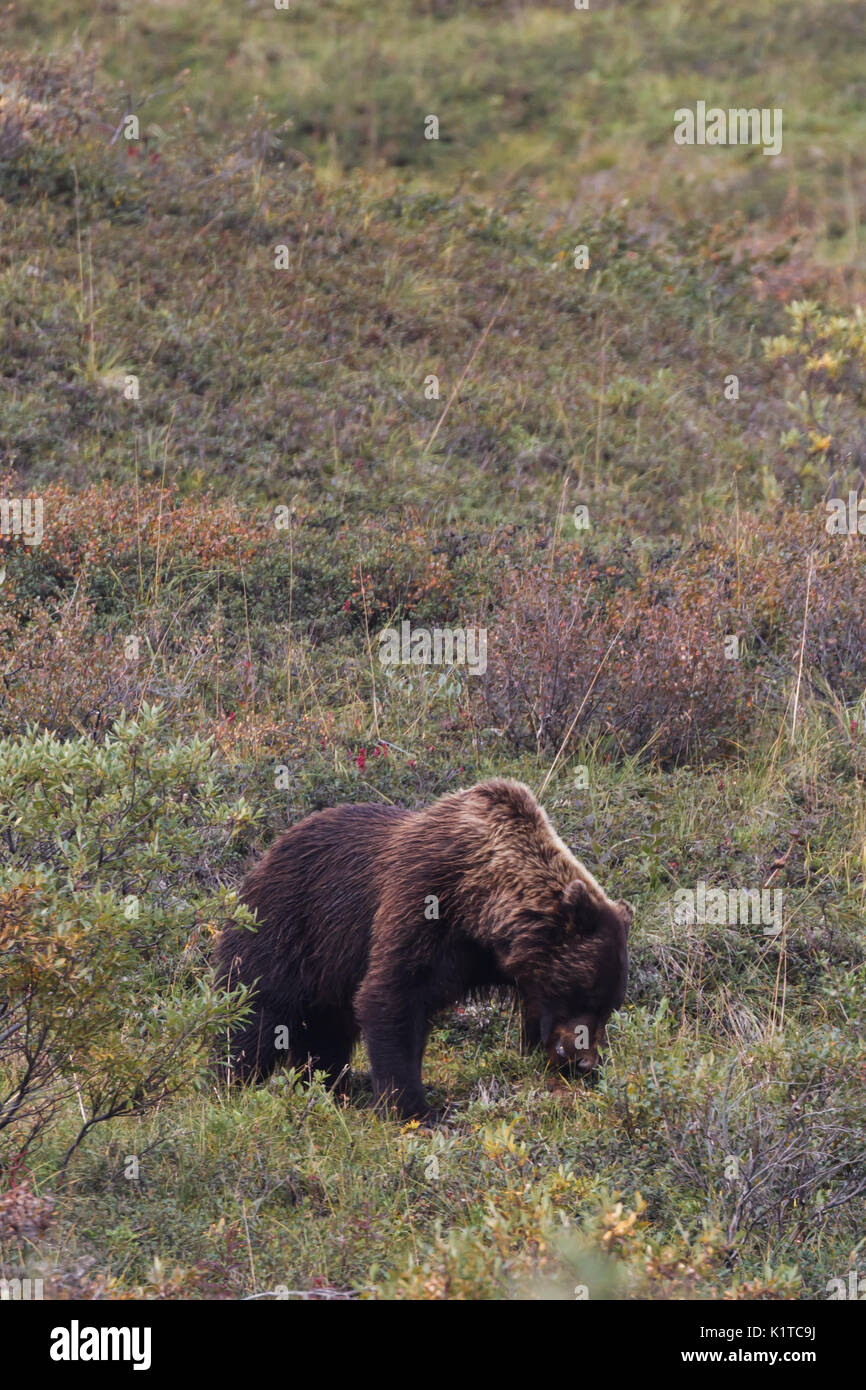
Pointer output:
344, 946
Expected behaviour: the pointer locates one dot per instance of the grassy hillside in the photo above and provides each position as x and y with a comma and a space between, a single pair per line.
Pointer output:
216, 375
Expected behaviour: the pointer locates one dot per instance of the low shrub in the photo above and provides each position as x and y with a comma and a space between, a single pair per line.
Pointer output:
103, 997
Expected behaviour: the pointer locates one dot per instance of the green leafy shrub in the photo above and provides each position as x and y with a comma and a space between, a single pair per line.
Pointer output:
103, 997
824, 355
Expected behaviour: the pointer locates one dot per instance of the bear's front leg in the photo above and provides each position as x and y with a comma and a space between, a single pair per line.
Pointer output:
530, 1035
395, 1038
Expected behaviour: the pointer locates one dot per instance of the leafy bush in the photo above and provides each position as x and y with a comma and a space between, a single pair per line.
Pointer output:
98, 681
633, 648
643, 664
99, 847
824, 354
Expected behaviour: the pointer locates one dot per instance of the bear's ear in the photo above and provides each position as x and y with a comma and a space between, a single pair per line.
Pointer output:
626, 912
575, 906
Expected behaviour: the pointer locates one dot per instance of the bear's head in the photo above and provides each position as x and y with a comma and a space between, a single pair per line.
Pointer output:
572, 991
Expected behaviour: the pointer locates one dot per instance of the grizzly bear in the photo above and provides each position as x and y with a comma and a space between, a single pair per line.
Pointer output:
371, 919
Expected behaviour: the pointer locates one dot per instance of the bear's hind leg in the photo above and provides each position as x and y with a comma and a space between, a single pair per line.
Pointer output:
326, 1044
252, 1048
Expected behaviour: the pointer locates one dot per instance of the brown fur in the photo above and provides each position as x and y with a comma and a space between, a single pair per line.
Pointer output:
344, 946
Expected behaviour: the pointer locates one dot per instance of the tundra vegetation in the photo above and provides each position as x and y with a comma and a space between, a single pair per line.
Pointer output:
217, 356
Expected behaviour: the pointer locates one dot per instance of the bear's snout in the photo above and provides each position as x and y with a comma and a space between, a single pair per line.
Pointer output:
570, 1049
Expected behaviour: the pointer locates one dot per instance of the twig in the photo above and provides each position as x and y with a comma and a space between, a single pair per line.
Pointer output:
570, 728
463, 374
802, 648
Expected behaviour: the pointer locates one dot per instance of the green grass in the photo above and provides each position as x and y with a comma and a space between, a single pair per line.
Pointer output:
730, 1043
